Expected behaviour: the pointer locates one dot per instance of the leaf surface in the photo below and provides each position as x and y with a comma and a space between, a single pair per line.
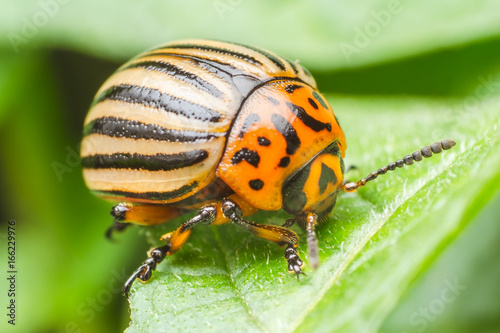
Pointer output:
372, 246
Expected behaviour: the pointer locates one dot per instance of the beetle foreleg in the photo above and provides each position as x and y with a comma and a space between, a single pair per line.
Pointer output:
279, 235
174, 240
144, 272
294, 262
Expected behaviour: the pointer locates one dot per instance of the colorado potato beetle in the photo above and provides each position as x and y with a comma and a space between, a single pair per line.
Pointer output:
225, 130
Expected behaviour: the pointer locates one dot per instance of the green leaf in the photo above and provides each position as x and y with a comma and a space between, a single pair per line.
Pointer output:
374, 244
322, 34
430, 304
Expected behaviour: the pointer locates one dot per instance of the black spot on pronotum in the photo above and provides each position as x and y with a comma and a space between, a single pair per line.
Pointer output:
263, 141
249, 121
273, 100
284, 162
292, 87
320, 99
288, 132
309, 121
251, 156
256, 184
313, 103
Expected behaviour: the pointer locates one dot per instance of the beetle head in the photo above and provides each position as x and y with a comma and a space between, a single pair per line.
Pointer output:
314, 187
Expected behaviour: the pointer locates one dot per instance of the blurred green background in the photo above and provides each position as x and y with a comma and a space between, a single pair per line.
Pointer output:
54, 55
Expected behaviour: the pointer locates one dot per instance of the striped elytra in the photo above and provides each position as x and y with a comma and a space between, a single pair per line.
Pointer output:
224, 130
165, 125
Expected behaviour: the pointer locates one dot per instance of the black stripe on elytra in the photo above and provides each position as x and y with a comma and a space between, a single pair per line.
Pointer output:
268, 55
222, 70
309, 121
306, 71
133, 129
152, 195
248, 122
251, 156
157, 162
155, 98
291, 88
238, 77
220, 50
175, 71
327, 176
292, 64
288, 132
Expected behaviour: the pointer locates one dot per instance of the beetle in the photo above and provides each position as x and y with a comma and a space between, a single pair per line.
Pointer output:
222, 129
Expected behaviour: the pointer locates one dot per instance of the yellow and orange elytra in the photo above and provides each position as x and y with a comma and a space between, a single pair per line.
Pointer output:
222, 129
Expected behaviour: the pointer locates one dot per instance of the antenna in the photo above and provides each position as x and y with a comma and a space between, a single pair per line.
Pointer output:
417, 156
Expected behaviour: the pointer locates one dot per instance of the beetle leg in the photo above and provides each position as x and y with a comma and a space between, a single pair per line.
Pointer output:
118, 212
144, 214
279, 235
312, 241
144, 272
288, 223
175, 240
116, 227
126, 213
